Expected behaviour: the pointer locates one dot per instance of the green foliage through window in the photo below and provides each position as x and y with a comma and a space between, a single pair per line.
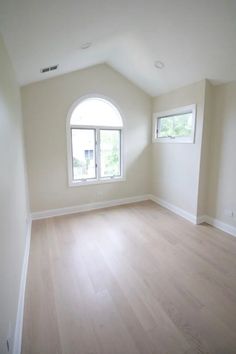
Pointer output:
110, 152
175, 126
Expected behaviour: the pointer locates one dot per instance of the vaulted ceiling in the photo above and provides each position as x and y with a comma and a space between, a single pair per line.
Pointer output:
195, 39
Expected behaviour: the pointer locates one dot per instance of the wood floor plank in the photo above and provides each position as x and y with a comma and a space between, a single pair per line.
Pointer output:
132, 279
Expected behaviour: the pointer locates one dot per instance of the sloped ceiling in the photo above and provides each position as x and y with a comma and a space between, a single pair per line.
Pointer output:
195, 39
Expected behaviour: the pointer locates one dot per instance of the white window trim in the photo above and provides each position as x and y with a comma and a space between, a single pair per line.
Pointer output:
98, 179
185, 109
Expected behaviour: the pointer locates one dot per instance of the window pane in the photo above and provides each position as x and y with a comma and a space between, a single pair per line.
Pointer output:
175, 126
83, 153
96, 112
110, 153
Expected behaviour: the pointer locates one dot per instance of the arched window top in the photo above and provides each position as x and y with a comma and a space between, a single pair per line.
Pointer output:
96, 111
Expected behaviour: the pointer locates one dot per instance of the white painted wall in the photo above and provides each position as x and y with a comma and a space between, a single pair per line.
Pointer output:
45, 108
196, 178
200, 178
206, 154
222, 177
13, 198
176, 167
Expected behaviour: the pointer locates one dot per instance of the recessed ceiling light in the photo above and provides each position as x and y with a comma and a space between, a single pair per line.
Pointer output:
159, 64
86, 45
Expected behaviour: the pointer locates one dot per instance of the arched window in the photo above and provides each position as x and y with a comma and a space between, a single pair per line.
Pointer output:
95, 142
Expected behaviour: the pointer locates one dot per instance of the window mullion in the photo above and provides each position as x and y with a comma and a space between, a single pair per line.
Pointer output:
121, 153
98, 164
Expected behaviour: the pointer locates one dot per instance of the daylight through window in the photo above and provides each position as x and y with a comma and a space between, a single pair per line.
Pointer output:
175, 126
95, 134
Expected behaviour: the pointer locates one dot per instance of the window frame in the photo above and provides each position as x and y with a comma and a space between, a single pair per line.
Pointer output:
98, 179
99, 155
73, 127
176, 111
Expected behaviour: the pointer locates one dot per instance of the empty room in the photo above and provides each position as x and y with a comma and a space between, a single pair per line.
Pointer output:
117, 177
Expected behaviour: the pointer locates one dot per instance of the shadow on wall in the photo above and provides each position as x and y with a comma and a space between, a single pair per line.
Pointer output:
223, 167
216, 154
133, 170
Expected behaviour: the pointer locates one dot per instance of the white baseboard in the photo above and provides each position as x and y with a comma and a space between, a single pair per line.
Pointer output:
21, 300
87, 207
194, 219
221, 225
202, 218
181, 212
92, 206
115, 202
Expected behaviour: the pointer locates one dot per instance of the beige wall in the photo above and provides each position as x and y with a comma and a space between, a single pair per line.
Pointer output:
45, 108
194, 177
206, 157
13, 200
200, 178
176, 167
222, 177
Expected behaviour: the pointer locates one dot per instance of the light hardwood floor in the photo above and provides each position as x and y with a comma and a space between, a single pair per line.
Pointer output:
129, 280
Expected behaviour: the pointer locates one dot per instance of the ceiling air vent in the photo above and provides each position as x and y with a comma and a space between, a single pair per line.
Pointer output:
49, 68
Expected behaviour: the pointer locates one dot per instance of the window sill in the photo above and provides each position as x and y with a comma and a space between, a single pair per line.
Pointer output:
189, 140
92, 182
